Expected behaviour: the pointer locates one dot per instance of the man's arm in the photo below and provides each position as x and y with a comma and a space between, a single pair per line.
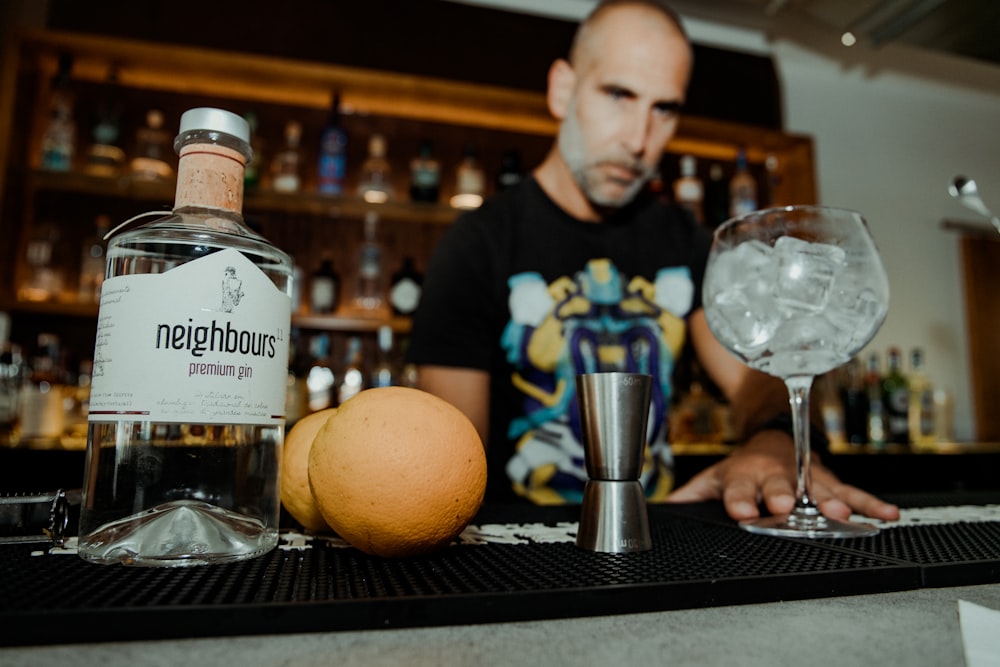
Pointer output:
467, 389
764, 467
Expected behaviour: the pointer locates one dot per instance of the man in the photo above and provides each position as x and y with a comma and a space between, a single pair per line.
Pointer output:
577, 270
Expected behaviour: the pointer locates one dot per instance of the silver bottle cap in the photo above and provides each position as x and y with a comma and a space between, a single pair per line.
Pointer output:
215, 120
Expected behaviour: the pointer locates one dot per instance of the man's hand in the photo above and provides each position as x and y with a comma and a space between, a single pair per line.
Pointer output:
764, 470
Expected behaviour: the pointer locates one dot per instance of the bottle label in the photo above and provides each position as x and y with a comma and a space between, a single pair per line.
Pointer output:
405, 296
205, 342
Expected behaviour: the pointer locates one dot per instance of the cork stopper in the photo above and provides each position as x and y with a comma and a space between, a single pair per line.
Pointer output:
213, 145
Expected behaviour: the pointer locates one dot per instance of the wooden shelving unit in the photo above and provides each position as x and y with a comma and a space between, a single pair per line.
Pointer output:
306, 225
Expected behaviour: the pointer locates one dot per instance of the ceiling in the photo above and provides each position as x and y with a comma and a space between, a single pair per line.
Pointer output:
965, 28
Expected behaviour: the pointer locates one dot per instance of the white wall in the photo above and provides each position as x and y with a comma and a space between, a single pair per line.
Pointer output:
887, 144
891, 128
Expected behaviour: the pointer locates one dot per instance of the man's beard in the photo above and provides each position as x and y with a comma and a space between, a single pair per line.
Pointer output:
587, 174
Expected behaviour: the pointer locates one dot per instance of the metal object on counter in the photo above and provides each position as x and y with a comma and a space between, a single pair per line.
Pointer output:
614, 411
41, 517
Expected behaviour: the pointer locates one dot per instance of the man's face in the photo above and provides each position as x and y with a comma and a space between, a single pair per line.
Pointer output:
629, 84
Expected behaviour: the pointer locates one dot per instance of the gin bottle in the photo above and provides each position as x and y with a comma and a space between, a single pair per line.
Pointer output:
187, 403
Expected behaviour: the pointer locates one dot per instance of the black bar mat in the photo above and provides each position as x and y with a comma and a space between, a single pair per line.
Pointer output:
694, 563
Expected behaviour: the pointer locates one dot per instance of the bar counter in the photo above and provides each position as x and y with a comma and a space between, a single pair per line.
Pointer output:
516, 590
907, 629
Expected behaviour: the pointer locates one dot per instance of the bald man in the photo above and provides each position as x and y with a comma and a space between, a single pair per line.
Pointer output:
578, 270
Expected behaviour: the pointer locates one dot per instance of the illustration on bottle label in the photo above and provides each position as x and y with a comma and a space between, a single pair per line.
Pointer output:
205, 342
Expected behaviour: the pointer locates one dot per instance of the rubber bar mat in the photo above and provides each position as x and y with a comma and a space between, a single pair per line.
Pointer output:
319, 587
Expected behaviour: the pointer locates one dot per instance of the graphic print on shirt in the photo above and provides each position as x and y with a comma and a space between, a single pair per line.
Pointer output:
596, 320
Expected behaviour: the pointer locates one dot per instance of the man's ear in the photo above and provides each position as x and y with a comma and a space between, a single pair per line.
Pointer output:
562, 79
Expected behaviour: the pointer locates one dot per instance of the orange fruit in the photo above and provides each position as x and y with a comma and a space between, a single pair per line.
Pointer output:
296, 495
397, 472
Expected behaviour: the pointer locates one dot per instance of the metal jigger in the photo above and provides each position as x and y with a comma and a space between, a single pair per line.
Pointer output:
614, 409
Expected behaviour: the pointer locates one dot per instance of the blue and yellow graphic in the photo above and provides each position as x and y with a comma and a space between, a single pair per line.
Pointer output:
598, 320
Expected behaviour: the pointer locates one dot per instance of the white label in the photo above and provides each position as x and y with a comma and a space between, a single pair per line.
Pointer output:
205, 342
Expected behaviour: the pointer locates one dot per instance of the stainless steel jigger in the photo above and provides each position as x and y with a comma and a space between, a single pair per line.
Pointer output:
614, 409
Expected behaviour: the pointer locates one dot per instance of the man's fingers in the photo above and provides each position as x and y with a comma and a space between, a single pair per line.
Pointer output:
703, 486
779, 494
740, 499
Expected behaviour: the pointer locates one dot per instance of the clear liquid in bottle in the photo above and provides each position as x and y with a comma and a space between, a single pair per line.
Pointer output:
186, 420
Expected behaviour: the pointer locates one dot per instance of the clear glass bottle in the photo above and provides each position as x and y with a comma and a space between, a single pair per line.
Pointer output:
41, 412
375, 186
352, 380
320, 378
59, 137
11, 371
93, 263
369, 294
921, 405
190, 365
384, 373
285, 168
470, 182
152, 151
45, 278
689, 193
742, 188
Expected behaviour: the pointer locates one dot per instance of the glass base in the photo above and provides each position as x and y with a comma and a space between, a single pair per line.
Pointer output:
812, 526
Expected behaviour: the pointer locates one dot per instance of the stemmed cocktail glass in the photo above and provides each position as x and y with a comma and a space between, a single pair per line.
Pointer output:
795, 292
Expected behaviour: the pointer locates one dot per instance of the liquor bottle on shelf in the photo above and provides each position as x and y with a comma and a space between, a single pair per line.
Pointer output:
716, 197
352, 380
202, 307
59, 137
408, 376
105, 157
76, 403
332, 164
11, 377
320, 378
369, 291
511, 173
285, 167
877, 424
41, 411
921, 405
152, 151
470, 182
855, 401
384, 373
324, 288
896, 395
425, 175
944, 415
375, 186
405, 288
742, 188
772, 166
831, 408
689, 193
92, 263
45, 278
251, 175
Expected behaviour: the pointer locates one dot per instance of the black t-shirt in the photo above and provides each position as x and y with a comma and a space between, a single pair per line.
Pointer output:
534, 296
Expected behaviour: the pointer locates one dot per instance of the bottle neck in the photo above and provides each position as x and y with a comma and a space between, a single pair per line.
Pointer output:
210, 176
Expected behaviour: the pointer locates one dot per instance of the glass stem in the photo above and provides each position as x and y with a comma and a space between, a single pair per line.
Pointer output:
798, 398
